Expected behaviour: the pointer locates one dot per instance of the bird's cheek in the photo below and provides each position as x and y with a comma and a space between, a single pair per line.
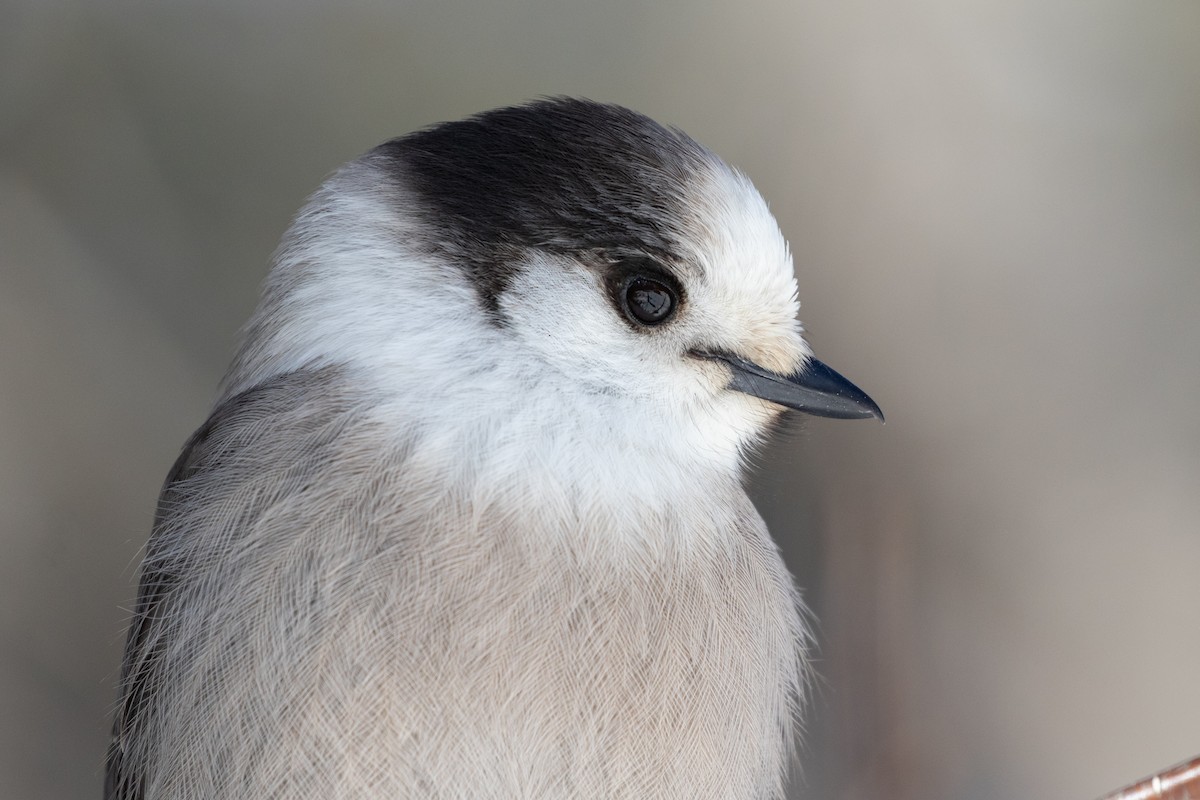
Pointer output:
733, 422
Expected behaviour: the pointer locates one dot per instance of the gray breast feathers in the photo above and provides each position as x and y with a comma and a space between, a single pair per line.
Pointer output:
319, 616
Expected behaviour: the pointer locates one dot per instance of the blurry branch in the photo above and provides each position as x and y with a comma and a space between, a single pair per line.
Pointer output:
1180, 782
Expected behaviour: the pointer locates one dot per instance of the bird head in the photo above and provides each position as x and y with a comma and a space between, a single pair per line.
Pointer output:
566, 245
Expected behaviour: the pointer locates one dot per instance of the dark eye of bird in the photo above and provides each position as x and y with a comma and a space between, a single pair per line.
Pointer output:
649, 301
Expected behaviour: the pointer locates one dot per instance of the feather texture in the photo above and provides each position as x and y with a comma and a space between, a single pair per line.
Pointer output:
321, 618
456, 535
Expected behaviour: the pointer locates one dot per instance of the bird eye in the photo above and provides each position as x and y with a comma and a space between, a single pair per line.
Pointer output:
649, 301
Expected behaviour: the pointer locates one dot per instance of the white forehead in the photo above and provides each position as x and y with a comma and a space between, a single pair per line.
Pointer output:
744, 268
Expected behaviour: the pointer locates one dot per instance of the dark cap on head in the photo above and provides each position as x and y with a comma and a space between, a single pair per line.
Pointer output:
565, 176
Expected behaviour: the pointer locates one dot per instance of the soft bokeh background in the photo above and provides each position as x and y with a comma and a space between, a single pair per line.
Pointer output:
995, 212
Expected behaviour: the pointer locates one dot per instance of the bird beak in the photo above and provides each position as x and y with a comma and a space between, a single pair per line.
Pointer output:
814, 389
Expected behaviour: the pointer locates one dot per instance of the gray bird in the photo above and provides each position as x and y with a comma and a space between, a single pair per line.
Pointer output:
467, 520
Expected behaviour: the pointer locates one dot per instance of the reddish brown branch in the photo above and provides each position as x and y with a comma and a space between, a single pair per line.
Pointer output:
1180, 782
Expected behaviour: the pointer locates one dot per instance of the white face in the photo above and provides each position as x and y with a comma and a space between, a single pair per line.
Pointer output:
737, 295
479, 274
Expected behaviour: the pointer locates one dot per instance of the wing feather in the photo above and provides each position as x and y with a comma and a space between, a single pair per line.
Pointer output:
231, 430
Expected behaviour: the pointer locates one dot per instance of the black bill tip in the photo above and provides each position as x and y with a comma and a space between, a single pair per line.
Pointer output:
814, 389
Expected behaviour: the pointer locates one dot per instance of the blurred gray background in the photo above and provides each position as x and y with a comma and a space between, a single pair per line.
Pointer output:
995, 212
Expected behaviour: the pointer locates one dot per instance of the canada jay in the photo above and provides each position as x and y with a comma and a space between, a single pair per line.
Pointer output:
467, 520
